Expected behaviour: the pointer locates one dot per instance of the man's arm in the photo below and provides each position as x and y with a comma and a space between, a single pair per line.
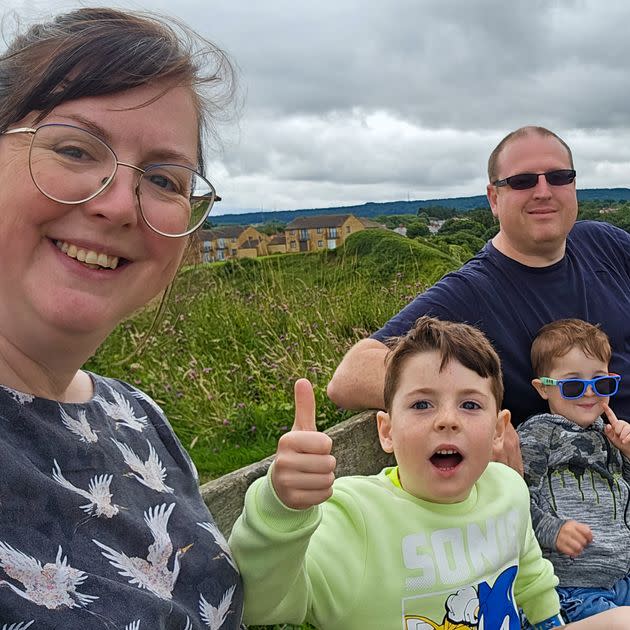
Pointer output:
358, 380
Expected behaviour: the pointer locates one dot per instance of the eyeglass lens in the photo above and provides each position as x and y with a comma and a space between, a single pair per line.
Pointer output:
71, 165
602, 386
522, 181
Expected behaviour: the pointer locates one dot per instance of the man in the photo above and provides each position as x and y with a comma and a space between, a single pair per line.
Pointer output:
541, 266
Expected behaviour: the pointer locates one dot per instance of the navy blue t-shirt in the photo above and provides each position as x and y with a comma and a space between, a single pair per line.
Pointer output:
510, 302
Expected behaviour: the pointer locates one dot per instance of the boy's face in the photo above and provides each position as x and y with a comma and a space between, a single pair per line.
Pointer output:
574, 364
441, 428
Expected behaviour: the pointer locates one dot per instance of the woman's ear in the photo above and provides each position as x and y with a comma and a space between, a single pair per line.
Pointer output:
384, 424
540, 388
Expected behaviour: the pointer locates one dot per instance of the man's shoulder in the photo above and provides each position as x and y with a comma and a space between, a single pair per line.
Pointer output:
589, 230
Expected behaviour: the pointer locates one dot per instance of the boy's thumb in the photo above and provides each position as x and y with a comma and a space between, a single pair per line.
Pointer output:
304, 406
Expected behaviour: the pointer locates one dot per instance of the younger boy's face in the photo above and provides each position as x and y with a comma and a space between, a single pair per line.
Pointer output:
441, 428
574, 364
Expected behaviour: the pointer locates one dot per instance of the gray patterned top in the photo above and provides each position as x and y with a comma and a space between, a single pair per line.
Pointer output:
576, 473
101, 521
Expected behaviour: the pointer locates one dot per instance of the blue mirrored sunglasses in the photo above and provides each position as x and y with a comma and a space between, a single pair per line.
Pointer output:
571, 388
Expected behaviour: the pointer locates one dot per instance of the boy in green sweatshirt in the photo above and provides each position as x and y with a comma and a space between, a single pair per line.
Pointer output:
443, 540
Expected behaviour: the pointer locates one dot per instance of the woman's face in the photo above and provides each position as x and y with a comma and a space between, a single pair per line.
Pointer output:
44, 290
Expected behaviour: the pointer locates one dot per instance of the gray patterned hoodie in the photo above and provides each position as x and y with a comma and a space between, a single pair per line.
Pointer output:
576, 473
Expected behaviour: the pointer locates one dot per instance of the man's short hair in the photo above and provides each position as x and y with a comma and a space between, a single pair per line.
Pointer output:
453, 341
554, 340
493, 160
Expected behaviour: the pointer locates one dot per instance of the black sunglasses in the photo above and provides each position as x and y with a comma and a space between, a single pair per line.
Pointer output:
522, 181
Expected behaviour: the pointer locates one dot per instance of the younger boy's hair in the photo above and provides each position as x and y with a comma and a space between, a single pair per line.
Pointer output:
453, 341
554, 340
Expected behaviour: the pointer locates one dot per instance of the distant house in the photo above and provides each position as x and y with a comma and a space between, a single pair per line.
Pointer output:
231, 241
368, 224
324, 231
277, 244
401, 229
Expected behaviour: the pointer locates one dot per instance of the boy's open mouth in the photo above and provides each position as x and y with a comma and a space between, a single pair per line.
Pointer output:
446, 459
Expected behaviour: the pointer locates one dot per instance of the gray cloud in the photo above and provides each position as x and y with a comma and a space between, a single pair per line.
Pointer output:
348, 101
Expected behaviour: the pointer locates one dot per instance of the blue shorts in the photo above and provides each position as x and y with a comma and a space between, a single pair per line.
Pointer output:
578, 603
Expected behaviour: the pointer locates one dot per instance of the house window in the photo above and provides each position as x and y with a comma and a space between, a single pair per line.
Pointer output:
292, 244
320, 243
303, 235
348, 229
292, 232
233, 252
221, 243
207, 246
319, 230
332, 232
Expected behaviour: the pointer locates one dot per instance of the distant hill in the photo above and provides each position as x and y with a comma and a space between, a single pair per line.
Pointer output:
372, 209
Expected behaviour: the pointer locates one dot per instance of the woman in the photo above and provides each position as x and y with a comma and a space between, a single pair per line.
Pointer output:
101, 521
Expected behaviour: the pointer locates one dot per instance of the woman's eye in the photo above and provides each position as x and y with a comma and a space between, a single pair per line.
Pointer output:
163, 182
74, 152
420, 404
471, 405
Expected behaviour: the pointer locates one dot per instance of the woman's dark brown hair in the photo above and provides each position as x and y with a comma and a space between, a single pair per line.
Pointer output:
95, 51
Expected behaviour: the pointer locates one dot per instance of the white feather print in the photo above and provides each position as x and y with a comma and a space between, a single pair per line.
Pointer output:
19, 397
121, 411
149, 472
153, 573
80, 427
214, 617
50, 585
134, 625
220, 540
22, 625
98, 494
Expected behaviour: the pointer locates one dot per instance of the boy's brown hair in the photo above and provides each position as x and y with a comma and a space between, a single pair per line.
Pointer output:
554, 340
453, 341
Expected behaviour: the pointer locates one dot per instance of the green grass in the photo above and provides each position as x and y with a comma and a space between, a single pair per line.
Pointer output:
238, 334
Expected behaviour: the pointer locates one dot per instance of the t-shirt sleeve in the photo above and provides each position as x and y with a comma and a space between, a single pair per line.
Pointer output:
433, 301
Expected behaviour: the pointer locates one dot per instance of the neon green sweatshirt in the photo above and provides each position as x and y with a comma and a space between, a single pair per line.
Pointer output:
374, 556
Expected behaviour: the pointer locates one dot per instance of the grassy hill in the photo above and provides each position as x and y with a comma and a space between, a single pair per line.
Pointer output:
238, 334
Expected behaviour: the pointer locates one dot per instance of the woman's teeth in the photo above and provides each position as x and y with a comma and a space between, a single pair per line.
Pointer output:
92, 259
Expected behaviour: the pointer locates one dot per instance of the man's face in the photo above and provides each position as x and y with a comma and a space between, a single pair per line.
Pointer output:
441, 428
534, 223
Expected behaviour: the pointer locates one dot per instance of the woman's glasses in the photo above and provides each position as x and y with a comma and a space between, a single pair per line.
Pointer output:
71, 165
523, 181
571, 388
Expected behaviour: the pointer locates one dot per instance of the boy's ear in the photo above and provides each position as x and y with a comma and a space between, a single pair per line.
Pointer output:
384, 424
540, 388
503, 419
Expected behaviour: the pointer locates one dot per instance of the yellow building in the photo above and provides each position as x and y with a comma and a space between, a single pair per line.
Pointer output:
324, 231
231, 241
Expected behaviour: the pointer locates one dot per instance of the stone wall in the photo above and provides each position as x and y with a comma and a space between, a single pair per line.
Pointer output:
355, 445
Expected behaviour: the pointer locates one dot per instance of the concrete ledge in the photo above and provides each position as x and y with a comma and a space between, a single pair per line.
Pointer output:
355, 445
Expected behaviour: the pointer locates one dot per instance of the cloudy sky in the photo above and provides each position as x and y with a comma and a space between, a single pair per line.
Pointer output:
348, 101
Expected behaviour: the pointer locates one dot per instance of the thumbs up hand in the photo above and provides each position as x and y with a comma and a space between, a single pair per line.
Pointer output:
303, 470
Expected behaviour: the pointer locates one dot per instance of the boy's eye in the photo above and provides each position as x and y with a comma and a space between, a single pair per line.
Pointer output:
420, 404
471, 405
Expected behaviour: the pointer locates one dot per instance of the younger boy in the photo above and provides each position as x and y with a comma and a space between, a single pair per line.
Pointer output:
443, 540
577, 469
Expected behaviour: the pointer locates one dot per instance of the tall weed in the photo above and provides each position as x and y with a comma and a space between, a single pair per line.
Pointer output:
238, 334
